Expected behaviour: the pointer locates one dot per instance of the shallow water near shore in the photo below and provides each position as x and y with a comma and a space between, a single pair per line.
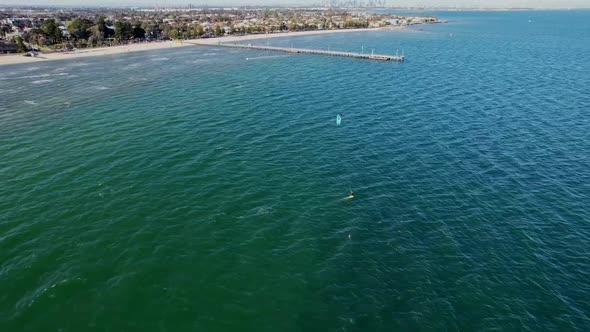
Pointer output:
191, 189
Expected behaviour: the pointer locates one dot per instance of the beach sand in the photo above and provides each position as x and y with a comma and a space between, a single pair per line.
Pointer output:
88, 52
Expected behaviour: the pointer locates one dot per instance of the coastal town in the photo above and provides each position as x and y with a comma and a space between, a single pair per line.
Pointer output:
53, 30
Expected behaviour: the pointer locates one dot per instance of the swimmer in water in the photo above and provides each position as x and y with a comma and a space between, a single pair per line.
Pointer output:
351, 195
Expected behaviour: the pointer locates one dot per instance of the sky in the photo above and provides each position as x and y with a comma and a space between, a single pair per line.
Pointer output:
400, 3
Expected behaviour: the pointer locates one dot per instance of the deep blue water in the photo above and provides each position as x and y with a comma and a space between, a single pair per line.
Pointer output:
191, 189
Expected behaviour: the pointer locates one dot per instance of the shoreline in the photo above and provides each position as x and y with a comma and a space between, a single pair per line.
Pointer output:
15, 59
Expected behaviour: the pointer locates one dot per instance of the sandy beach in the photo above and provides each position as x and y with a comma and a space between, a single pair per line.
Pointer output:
88, 52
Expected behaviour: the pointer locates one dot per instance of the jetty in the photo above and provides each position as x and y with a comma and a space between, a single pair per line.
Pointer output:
369, 56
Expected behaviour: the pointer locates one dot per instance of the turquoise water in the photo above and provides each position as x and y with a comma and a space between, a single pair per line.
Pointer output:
191, 189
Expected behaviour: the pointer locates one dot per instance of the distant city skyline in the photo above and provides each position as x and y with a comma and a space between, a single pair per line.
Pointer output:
391, 3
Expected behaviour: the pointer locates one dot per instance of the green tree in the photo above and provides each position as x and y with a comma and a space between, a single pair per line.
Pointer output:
119, 31
173, 33
35, 36
82, 43
98, 32
51, 30
97, 36
199, 30
127, 30
218, 31
328, 25
166, 30
79, 28
100, 29
138, 31
149, 27
21, 45
123, 31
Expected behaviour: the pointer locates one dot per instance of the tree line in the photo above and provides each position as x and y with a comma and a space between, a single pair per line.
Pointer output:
83, 32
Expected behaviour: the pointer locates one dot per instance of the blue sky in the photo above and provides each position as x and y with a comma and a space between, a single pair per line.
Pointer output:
428, 3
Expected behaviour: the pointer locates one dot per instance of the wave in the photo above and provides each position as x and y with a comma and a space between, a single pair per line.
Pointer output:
131, 66
26, 76
35, 76
7, 91
265, 210
41, 81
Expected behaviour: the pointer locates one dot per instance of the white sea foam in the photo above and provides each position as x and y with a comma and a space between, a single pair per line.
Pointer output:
27, 76
35, 76
131, 66
41, 81
265, 210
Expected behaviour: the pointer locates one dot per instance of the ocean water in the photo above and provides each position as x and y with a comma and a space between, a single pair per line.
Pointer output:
191, 189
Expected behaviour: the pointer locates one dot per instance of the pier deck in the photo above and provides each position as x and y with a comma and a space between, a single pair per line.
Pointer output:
368, 56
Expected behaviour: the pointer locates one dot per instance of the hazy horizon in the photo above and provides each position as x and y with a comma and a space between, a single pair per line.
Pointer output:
391, 3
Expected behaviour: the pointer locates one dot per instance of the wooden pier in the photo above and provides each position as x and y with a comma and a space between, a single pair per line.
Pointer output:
368, 56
